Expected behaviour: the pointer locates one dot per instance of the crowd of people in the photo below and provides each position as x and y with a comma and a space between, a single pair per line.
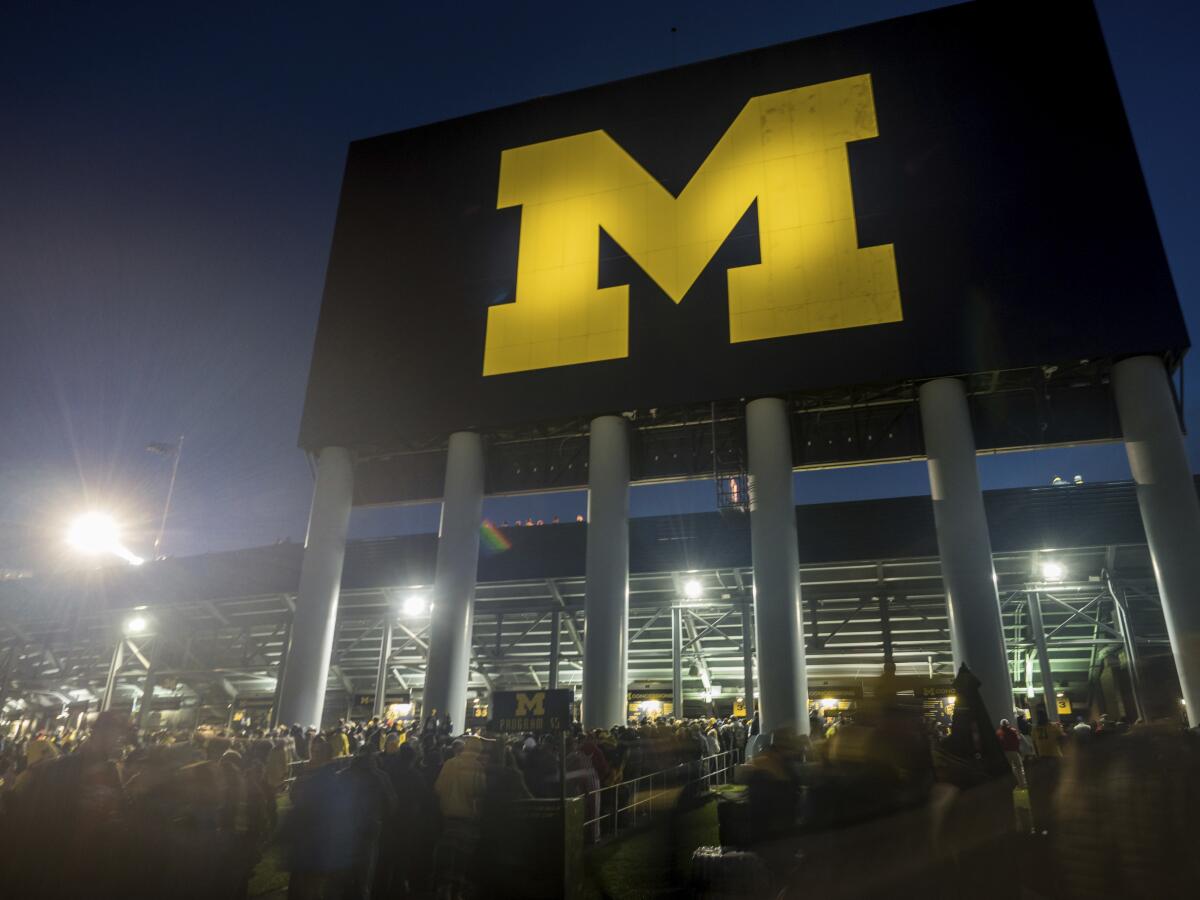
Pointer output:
399, 809
369, 809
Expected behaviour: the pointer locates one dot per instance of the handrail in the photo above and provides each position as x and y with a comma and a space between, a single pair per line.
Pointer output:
631, 802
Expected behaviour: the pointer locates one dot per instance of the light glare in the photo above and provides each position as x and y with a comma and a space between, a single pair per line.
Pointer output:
692, 589
93, 533
414, 605
1053, 571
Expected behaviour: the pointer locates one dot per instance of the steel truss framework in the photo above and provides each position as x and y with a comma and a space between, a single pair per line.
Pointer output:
218, 652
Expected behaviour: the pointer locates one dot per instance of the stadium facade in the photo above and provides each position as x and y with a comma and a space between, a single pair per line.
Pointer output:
218, 626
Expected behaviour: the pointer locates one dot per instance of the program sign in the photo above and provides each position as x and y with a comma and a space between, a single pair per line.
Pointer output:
518, 711
949, 193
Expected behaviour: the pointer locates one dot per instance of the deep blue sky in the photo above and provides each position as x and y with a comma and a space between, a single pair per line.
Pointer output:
168, 181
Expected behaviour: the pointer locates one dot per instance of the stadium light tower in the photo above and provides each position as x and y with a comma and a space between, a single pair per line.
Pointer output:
96, 533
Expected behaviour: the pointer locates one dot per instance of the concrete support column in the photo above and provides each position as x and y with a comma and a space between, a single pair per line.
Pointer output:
606, 601
964, 544
385, 653
677, 660
1170, 512
748, 658
1039, 641
453, 613
555, 636
303, 696
779, 626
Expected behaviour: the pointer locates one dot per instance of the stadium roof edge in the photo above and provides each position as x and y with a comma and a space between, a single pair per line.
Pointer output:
1021, 519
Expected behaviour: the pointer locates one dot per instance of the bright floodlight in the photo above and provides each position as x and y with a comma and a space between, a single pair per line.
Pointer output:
692, 589
414, 604
93, 533
1053, 571
135, 625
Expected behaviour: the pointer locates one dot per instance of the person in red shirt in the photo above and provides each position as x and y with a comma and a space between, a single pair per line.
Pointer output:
1010, 741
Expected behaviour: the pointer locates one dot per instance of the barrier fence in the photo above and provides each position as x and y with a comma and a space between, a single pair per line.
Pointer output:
629, 803
626, 804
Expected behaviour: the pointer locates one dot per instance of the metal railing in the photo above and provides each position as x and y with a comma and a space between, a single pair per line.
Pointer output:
297, 767
624, 805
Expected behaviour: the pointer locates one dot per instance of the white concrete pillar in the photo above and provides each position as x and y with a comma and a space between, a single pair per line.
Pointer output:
606, 600
453, 611
303, 696
1170, 512
964, 543
778, 615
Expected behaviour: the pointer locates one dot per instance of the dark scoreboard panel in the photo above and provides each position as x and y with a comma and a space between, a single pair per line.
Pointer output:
949, 193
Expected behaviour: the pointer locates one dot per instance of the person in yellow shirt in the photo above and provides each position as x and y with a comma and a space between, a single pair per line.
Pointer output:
1047, 737
339, 741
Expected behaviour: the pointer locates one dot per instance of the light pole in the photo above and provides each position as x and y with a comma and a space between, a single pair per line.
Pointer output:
175, 451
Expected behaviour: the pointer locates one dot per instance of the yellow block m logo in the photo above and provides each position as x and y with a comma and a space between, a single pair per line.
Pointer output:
787, 150
528, 705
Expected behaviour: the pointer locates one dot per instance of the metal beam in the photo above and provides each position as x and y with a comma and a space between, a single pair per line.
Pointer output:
339, 654
572, 629
653, 618
846, 621
141, 657
524, 634
713, 626
1078, 613
342, 677
414, 637
216, 613
677, 660
400, 678
697, 648
385, 653
555, 637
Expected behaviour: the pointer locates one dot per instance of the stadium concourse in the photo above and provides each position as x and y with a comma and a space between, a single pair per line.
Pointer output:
201, 641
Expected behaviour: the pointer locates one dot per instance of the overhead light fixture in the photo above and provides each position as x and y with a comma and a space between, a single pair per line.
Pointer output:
414, 604
693, 589
1052, 571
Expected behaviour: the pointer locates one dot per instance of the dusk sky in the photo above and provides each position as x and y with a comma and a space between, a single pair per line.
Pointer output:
169, 177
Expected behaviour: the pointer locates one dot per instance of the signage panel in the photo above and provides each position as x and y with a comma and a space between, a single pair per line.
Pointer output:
948, 193
518, 711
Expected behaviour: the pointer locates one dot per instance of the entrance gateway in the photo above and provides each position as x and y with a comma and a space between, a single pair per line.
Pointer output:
894, 242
